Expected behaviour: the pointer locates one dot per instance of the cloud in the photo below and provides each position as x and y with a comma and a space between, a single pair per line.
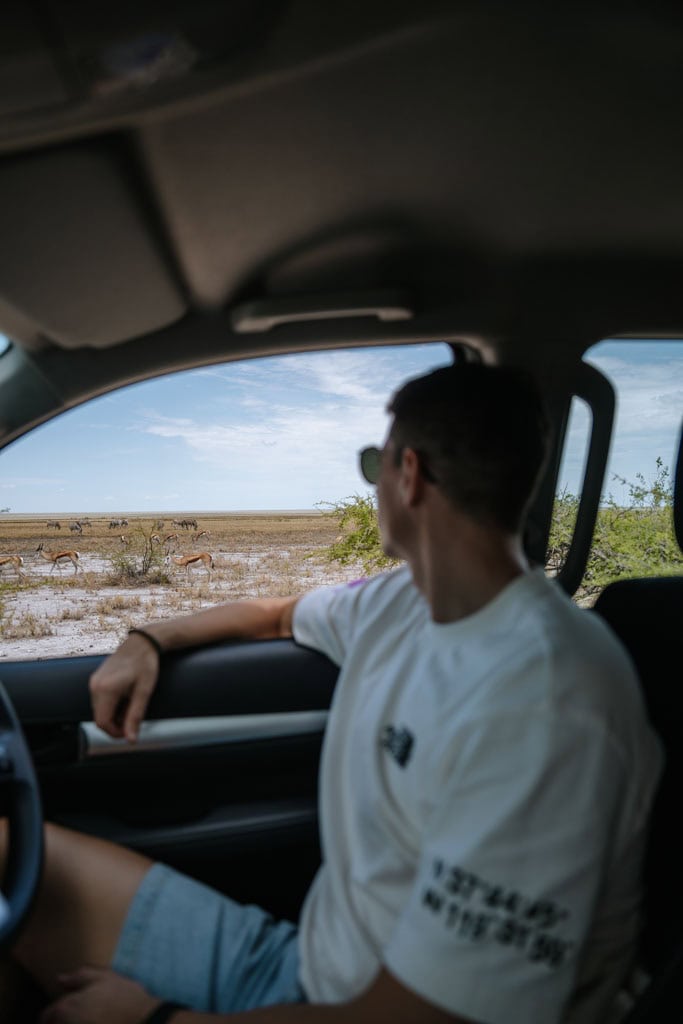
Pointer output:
649, 386
359, 375
650, 394
283, 432
324, 431
292, 458
345, 375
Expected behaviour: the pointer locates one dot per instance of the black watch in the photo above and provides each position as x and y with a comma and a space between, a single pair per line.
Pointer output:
162, 1013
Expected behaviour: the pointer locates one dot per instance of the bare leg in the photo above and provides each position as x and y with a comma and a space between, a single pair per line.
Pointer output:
84, 896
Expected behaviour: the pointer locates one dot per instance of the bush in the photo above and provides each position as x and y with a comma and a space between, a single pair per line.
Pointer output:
142, 561
359, 538
629, 541
636, 540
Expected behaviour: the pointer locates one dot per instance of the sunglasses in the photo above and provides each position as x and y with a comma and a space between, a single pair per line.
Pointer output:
370, 464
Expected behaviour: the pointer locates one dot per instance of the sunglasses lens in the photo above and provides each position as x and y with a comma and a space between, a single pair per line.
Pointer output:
370, 461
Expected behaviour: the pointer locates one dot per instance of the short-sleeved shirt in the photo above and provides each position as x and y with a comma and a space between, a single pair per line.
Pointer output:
484, 793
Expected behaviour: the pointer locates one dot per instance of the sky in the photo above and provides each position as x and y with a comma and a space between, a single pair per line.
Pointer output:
648, 380
283, 433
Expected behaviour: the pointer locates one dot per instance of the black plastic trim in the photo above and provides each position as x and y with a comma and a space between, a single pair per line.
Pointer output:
238, 678
596, 390
230, 824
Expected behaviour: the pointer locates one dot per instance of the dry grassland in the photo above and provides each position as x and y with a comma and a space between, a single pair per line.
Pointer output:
58, 612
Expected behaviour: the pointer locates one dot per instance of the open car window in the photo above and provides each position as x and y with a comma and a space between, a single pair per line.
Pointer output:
198, 487
634, 534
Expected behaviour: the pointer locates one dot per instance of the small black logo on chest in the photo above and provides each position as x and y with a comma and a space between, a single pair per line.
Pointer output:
399, 743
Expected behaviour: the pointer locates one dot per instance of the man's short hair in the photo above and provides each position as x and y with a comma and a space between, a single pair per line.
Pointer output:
482, 432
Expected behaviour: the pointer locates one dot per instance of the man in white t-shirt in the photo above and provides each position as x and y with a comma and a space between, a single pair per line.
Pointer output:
486, 776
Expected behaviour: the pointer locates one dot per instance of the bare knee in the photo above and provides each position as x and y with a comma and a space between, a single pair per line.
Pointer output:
86, 888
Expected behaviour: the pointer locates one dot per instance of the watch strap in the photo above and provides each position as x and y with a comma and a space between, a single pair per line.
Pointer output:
163, 1012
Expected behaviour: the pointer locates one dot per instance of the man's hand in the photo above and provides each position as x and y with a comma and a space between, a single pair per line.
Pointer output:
122, 686
94, 995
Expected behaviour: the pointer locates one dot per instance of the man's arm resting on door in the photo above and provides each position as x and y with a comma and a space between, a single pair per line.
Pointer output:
122, 685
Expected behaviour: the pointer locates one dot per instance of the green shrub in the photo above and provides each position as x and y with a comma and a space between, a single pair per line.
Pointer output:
633, 540
629, 541
359, 539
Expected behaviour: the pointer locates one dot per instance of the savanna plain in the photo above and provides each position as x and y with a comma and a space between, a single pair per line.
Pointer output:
127, 575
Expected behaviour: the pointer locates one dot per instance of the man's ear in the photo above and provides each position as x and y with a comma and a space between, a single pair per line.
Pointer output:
411, 484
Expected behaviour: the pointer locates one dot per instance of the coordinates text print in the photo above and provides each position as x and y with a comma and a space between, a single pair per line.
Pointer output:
478, 910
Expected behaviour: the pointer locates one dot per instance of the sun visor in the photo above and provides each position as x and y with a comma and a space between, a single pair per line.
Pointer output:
82, 258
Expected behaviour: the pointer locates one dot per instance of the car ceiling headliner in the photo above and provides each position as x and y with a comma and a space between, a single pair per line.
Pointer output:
515, 168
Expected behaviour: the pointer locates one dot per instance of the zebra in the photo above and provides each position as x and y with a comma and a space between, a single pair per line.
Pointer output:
185, 524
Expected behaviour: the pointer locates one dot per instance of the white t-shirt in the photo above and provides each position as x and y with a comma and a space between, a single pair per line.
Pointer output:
484, 791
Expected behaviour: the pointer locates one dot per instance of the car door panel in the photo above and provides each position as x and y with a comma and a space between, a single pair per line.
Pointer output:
239, 677
223, 783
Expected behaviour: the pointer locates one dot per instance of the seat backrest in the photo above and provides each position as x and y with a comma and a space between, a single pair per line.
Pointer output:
647, 615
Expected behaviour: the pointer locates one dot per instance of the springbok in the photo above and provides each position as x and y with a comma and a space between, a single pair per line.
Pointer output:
192, 560
53, 524
59, 557
14, 560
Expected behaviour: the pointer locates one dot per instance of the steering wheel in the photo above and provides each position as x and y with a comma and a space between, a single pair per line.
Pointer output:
20, 803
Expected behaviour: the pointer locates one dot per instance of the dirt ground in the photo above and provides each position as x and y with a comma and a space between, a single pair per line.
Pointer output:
55, 611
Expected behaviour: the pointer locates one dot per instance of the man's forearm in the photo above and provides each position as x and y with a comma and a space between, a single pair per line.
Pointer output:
294, 1013
260, 619
386, 998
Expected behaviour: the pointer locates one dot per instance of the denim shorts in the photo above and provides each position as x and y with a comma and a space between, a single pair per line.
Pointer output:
190, 944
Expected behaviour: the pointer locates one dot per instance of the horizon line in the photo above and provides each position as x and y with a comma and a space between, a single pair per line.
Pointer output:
8, 514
